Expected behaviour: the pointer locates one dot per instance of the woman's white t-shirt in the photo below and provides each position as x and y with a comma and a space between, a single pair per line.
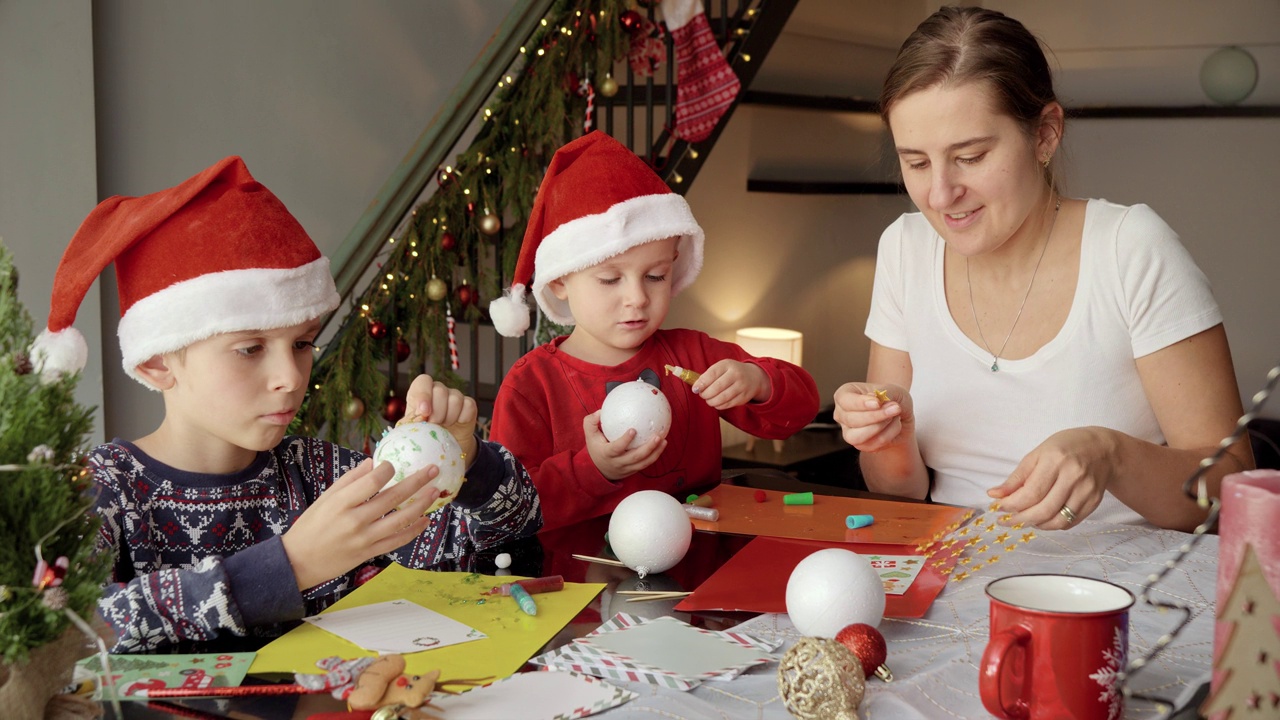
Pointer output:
1138, 291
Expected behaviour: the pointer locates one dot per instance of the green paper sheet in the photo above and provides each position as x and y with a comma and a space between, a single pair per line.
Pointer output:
513, 636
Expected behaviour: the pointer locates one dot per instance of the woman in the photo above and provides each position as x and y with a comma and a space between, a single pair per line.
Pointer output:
1062, 356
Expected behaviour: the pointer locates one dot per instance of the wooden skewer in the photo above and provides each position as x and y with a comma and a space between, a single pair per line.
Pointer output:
659, 596
653, 592
602, 561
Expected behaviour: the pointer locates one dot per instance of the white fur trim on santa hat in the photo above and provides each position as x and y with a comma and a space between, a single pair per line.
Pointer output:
223, 302
590, 240
55, 354
510, 313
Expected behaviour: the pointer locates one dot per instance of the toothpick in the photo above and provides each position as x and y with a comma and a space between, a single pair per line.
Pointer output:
600, 560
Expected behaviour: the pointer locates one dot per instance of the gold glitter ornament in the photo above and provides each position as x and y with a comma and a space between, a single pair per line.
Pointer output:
820, 679
436, 289
608, 86
490, 224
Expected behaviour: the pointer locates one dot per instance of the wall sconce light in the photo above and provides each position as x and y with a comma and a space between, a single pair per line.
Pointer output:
770, 342
1229, 75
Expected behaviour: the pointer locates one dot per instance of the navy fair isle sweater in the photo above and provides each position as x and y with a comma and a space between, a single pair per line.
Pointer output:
199, 559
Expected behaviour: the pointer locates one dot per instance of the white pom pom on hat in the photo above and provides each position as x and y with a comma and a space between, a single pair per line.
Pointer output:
597, 200
217, 253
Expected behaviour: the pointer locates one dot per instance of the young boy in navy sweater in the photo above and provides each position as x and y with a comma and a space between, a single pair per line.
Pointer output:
221, 525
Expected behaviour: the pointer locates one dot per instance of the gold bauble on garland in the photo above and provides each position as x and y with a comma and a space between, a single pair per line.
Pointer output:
353, 409
490, 224
436, 289
819, 679
608, 86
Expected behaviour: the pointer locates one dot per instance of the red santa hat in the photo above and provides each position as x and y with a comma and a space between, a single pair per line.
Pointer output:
218, 253
596, 201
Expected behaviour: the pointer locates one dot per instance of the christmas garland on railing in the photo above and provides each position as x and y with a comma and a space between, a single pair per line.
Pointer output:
443, 263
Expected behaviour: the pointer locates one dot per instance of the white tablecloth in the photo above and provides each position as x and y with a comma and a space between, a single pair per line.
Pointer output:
935, 659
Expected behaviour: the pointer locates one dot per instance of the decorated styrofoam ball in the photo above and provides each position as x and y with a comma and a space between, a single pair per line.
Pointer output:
639, 405
833, 588
412, 446
650, 532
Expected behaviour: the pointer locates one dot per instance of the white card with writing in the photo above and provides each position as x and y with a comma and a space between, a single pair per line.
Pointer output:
395, 626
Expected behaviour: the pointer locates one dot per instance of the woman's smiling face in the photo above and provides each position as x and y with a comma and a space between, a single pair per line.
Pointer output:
972, 171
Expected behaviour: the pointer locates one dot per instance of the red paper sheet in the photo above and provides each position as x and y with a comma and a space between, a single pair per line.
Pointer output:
755, 579
898, 523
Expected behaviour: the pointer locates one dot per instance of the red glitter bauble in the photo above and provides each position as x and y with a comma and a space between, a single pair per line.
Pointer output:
866, 643
377, 330
402, 350
631, 20
448, 241
394, 409
466, 295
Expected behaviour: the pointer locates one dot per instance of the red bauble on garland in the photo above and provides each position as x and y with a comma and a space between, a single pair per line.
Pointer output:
402, 350
466, 295
868, 645
631, 21
448, 242
394, 409
377, 330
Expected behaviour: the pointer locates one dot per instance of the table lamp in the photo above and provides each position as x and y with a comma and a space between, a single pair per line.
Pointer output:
770, 342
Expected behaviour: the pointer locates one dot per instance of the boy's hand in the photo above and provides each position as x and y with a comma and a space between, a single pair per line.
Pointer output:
613, 459
729, 383
352, 522
430, 401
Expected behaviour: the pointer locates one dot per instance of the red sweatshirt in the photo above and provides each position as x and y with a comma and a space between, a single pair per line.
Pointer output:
540, 406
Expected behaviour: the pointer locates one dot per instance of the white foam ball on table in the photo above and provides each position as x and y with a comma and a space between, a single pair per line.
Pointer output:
650, 532
503, 561
413, 446
831, 589
639, 405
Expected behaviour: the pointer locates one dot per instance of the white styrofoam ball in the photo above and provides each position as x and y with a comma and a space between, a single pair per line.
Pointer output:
650, 532
639, 405
833, 588
413, 446
503, 561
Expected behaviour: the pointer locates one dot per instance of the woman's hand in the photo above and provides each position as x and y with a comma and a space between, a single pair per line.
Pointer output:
873, 417
1071, 469
729, 383
613, 459
355, 520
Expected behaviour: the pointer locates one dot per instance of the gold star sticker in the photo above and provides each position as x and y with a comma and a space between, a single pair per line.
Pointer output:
947, 571
1017, 527
975, 568
994, 506
965, 560
1030, 535
962, 576
1010, 547
1001, 537
992, 560
981, 549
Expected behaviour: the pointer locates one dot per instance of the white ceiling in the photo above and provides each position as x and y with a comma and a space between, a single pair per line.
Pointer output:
1117, 52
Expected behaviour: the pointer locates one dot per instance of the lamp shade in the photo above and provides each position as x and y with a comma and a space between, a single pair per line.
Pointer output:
770, 342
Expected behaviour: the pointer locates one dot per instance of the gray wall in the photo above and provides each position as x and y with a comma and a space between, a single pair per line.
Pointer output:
47, 165
324, 97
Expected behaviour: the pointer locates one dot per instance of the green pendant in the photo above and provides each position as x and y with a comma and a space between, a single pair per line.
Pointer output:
995, 366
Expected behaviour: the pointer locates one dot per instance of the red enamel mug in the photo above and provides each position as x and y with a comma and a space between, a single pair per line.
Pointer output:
1058, 644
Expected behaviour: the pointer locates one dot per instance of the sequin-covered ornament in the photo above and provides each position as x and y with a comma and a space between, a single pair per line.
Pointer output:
868, 645
819, 679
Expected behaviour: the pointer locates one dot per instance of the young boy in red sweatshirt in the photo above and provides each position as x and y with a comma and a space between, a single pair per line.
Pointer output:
607, 246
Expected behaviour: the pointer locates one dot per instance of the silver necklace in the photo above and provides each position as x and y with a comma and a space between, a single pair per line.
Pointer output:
995, 356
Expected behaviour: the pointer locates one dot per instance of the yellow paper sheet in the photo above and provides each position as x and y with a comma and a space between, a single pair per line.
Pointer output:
512, 636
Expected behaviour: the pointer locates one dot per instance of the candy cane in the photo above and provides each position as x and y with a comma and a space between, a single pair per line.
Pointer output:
584, 88
453, 338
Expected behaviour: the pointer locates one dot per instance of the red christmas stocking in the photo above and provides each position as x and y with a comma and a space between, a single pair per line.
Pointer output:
706, 85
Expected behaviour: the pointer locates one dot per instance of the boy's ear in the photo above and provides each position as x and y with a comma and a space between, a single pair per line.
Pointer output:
156, 371
557, 289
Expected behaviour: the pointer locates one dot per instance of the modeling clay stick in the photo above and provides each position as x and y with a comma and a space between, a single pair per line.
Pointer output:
533, 586
701, 500
688, 376
702, 513
853, 522
804, 498
523, 599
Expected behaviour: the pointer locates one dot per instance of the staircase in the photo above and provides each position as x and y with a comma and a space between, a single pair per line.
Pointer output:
386, 331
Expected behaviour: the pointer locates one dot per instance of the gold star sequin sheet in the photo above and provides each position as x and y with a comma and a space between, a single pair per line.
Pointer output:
974, 542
